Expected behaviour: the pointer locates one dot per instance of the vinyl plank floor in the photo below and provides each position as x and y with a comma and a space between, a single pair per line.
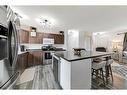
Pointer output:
43, 79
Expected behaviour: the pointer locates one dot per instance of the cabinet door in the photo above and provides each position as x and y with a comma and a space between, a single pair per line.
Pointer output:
25, 60
48, 35
39, 39
24, 36
58, 39
22, 62
35, 58
32, 40
19, 63
30, 59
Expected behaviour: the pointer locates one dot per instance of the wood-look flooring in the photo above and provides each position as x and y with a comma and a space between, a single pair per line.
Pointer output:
44, 79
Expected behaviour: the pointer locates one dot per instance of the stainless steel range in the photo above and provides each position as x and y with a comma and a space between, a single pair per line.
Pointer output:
47, 54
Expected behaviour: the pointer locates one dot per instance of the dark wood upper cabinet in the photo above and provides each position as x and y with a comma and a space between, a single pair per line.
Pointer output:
48, 35
24, 36
39, 39
58, 39
33, 40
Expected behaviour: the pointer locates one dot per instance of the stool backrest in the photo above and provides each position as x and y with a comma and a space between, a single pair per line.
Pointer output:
101, 49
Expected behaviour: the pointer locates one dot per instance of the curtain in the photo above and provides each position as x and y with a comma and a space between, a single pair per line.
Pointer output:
125, 43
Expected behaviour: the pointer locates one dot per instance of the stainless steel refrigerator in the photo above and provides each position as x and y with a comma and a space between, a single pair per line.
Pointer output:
9, 27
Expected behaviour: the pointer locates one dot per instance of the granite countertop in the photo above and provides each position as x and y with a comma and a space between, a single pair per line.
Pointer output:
21, 52
69, 56
31, 50
57, 49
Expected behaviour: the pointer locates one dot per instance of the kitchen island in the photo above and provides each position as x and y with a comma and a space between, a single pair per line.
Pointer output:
74, 71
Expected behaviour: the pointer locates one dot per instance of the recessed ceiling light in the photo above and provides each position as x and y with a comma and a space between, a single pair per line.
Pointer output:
98, 33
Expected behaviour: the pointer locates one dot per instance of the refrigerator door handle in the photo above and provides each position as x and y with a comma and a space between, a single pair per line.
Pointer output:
16, 45
13, 58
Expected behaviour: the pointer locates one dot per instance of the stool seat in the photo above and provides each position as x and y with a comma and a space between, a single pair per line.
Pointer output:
110, 61
98, 65
97, 70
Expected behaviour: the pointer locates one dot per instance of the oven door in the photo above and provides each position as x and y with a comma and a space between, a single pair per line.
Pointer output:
47, 58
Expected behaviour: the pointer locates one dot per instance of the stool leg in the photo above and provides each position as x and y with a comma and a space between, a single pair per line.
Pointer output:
111, 71
97, 77
103, 76
92, 73
107, 73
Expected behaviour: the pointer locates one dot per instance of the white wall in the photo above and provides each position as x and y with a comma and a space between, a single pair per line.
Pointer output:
106, 40
79, 39
85, 40
73, 40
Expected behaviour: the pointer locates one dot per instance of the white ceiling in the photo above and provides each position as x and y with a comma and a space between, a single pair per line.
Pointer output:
82, 18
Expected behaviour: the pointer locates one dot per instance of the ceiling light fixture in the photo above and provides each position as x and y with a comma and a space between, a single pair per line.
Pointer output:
46, 23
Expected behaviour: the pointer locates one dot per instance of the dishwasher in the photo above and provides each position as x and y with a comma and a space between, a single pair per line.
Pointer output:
56, 68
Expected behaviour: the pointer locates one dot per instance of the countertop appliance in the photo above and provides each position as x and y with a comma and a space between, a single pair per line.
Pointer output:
48, 48
9, 26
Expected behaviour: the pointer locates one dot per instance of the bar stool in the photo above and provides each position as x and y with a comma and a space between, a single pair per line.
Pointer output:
97, 70
109, 69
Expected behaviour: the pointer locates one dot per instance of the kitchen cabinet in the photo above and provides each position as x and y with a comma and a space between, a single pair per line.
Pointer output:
32, 39
75, 74
58, 39
24, 36
48, 35
35, 58
22, 62
39, 39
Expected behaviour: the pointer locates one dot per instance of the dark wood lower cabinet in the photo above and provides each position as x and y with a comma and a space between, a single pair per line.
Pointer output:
35, 58
22, 62
29, 59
